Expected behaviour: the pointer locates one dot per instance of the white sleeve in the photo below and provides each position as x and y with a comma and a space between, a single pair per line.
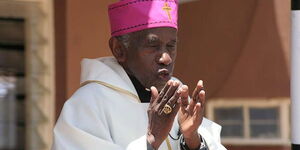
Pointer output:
211, 133
139, 144
81, 127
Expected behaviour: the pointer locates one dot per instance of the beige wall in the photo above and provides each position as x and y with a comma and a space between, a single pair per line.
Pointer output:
87, 34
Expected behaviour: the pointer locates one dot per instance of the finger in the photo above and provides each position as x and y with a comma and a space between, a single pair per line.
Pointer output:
198, 88
169, 94
197, 111
164, 91
202, 98
154, 95
195, 96
174, 99
175, 109
171, 91
191, 106
184, 102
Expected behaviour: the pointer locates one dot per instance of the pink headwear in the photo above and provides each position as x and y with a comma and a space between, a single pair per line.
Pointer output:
133, 15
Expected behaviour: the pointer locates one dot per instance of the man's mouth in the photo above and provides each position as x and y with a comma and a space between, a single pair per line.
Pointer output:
164, 74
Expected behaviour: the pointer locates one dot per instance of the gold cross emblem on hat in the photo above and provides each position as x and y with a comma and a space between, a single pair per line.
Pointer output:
167, 8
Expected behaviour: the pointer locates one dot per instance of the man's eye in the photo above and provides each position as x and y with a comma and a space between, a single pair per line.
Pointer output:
155, 46
171, 46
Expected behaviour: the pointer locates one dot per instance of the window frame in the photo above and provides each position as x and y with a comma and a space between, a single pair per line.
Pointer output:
40, 67
246, 103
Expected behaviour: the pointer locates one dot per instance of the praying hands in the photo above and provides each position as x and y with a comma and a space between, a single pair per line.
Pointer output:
163, 108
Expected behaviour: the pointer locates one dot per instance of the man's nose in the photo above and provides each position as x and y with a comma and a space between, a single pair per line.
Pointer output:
165, 59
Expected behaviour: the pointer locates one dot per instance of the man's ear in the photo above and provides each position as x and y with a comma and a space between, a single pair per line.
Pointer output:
117, 49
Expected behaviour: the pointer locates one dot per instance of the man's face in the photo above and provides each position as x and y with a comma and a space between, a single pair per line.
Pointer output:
151, 56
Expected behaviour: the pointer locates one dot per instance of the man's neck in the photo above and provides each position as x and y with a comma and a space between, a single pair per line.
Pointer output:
143, 93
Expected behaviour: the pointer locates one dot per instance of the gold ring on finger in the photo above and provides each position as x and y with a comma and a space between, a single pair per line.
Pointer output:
167, 109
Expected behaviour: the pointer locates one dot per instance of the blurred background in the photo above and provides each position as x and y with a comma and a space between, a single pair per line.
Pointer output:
240, 48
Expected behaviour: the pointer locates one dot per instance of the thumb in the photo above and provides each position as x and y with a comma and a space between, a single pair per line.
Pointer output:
154, 94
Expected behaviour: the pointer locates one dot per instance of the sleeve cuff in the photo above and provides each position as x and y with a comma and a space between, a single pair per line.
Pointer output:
184, 146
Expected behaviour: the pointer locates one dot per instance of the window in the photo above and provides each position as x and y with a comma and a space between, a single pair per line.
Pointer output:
12, 95
251, 121
231, 120
36, 40
264, 122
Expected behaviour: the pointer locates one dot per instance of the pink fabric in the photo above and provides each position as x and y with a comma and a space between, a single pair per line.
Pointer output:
133, 15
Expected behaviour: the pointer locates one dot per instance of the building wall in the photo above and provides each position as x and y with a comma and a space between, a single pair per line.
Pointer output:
87, 34
239, 48
82, 31
60, 54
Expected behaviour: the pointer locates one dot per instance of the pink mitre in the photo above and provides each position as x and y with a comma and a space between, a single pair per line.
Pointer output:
128, 16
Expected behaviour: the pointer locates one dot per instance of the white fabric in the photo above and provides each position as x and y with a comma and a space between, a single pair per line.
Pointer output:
295, 76
99, 118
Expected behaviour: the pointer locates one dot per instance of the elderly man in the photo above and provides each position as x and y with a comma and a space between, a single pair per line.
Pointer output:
131, 101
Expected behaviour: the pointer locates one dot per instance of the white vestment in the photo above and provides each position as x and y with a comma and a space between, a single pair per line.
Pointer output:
98, 117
